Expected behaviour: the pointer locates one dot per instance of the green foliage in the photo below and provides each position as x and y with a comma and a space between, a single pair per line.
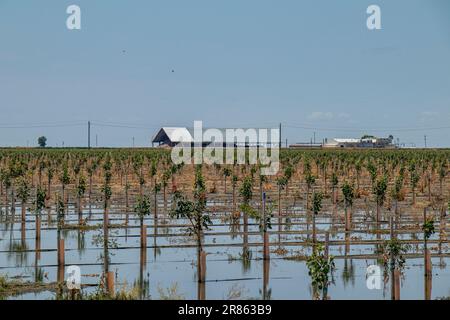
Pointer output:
40, 200
226, 172
234, 180
320, 267
310, 179
143, 206
5, 178
349, 193
428, 228
106, 188
23, 190
288, 172
379, 190
282, 182
65, 177
193, 211
157, 188
81, 186
317, 202
372, 171
393, 252
334, 180
398, 184
42, 142
246, 190
414, 179
60, 209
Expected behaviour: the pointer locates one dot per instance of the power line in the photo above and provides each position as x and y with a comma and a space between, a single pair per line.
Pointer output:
40, 126
367, 129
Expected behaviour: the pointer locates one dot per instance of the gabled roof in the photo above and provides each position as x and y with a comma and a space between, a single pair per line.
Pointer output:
174, 134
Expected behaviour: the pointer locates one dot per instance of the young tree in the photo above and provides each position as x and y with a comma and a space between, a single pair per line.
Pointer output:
316, 207
6, 182
234, 180
23, 192
349, 195
64, 178
372, 169
226, 173
442, 175
50, 174
81, 190
142, 209
310, 181
320, 268
413, 182
334, 184
281, 183
379, 191
194, 212
39, 205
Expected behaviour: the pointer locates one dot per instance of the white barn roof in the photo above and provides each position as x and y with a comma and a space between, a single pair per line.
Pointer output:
178, 134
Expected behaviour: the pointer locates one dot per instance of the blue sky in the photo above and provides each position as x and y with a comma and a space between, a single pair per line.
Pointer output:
137, 65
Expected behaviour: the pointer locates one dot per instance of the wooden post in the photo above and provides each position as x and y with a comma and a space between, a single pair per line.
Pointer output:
110, 282
442, 224
61, 260
346, 217
428, 287
61, 257
396, 284
266, 248
38, 227
201, 291
266, 268
378, 213
428, 265
202, 266
106, 218
427, 255
143, 236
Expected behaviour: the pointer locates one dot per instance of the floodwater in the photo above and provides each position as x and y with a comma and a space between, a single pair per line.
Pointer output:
167, 267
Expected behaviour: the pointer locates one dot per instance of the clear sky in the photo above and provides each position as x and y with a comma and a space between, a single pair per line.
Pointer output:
141, 64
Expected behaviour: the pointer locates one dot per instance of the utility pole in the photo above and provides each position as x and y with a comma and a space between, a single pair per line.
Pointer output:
133, 142
314, 138
280, 137
89, 135
96, 140
425, 138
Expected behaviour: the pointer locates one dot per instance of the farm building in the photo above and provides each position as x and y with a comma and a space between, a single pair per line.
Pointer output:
171, 136
364, 142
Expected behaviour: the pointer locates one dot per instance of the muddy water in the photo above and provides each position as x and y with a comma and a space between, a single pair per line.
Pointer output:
167, 267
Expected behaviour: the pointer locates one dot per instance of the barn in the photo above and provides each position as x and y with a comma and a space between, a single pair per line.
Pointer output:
172, 136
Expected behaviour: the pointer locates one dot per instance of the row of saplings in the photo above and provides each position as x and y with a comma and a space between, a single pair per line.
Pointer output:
320, 263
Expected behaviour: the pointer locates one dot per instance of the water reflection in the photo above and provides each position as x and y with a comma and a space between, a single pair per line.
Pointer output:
25, 254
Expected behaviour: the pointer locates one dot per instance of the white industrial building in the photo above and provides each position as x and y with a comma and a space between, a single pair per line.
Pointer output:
364, 142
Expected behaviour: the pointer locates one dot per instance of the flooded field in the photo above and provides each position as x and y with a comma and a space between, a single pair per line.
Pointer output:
162, 262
